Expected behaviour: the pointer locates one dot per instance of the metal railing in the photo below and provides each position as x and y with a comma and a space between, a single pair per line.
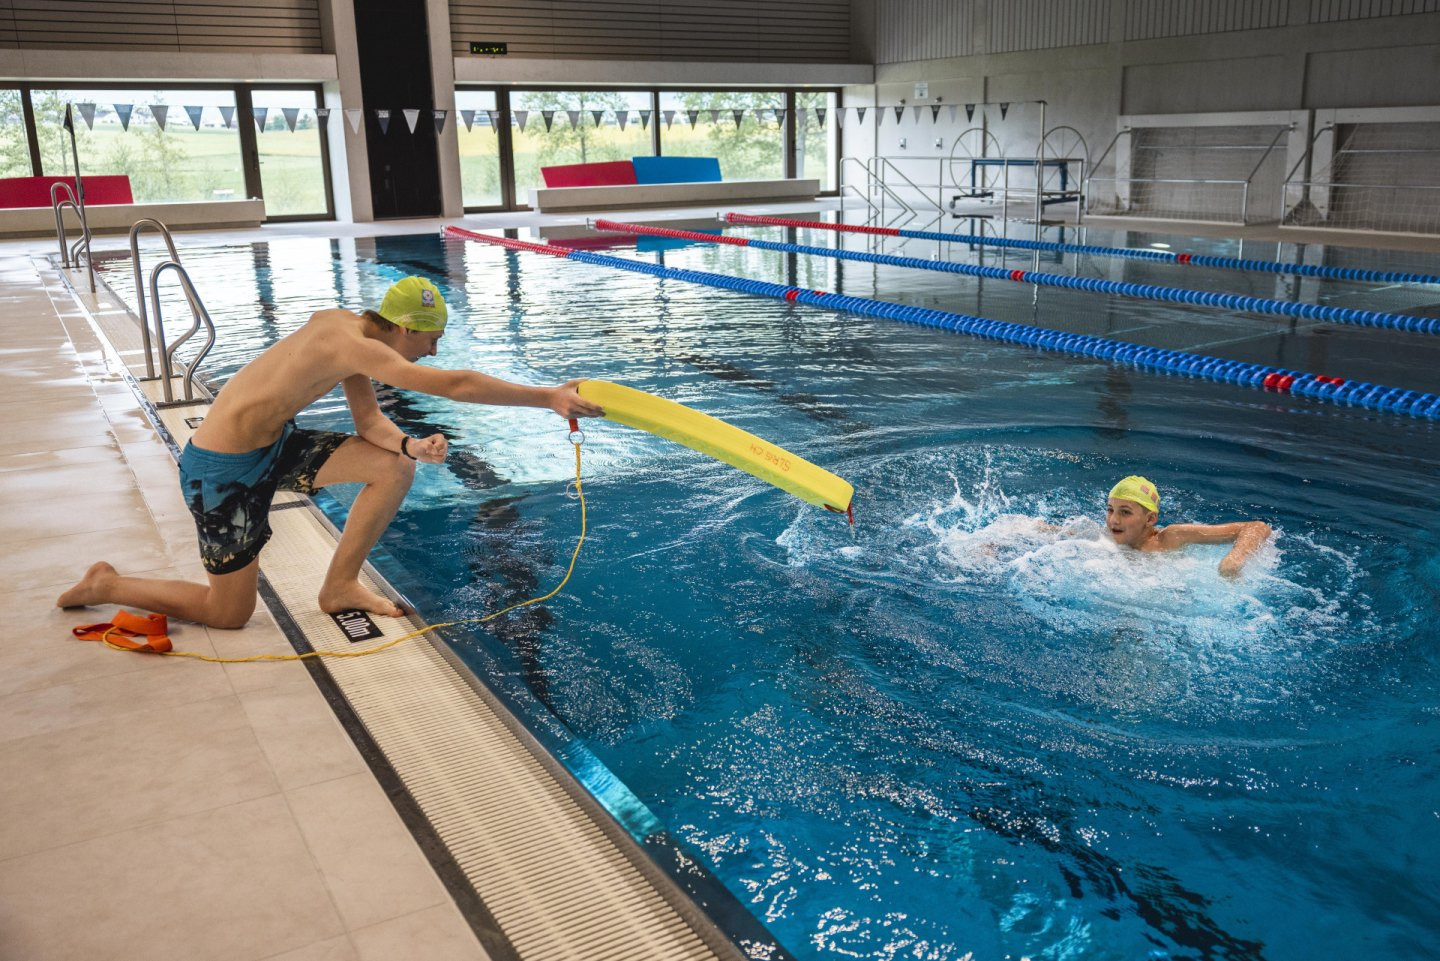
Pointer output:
71, 254
1244, 184
164, 231
167, 352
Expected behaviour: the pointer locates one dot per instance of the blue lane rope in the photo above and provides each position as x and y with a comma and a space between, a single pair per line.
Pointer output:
1179, 295
1357, 393
1164, 256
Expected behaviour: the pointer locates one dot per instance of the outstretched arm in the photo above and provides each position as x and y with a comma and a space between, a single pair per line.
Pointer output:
1244, 536
470, 386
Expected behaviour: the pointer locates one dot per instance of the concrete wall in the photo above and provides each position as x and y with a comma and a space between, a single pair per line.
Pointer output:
1206, 76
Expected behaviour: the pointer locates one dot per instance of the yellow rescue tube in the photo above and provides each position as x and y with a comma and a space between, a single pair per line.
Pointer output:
722, 441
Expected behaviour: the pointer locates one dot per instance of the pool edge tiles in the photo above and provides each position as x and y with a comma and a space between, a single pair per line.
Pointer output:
549, 872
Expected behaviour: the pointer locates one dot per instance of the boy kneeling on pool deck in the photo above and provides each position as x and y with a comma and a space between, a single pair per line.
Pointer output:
1134, 507
248, 447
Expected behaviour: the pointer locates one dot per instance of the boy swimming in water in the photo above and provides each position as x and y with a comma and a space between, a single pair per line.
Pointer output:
1134, 507
248, 447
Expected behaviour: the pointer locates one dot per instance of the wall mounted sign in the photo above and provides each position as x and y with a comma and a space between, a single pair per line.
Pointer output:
489, 48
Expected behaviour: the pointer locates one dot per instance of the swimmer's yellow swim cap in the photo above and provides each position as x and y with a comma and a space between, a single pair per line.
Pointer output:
415, 304
1138, 489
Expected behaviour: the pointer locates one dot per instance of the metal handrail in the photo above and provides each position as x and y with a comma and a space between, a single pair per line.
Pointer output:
69, 254
1099, 164
884, 162
167, 355
869, 183
135, 229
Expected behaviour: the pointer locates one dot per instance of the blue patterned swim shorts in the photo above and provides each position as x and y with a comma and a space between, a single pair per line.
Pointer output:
229, 495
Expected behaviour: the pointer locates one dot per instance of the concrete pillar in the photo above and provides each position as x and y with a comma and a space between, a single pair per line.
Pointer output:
349, 168
442, 72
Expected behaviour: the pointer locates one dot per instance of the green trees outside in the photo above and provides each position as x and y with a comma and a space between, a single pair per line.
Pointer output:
753, 149
14, 147
591, 139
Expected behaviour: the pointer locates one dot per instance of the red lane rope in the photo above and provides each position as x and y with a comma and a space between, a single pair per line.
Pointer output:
508, 242
619, 228
787, 222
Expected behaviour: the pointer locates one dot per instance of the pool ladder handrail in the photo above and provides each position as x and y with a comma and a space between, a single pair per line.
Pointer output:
71, 254
145, 340
167, 355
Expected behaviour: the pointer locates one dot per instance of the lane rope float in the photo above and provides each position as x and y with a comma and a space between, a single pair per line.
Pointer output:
1175, 295
1260, 376
1164, 256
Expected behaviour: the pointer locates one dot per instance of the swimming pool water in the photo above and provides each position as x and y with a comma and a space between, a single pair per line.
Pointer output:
948, 732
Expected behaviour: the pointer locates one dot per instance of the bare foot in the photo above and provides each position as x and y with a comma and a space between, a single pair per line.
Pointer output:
355, 597
92, 589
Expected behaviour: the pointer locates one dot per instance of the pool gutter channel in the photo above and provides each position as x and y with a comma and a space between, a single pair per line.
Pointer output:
535, 863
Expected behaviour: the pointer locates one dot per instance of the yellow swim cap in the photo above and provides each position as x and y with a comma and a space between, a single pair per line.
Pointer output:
1138, 489
415, 304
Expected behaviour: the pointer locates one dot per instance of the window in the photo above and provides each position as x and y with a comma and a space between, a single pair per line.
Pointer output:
292, 168
175, 145
744, 130
14, 143
479, 149
817, 137
553, 127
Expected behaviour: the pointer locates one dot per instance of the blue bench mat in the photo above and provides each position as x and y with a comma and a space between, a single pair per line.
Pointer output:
676, 170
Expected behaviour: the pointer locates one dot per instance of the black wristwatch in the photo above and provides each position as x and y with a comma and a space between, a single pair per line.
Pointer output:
405, 447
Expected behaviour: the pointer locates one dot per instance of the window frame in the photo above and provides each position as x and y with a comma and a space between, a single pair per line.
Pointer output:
509, 202
244, 116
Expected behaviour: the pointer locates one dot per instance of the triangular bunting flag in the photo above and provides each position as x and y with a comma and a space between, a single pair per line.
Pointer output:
159, 111
669, 116
382, 117
494, 116
952, 113
520, 117
739, 115
574, 116
468, 116
916, 108
260, 114
412, 117
291, 114
780, 117
622, 117
935, 114
714, 116
353, 116
839, 116
1004, 109
820, 116
598, 116
549, 117
644, 119
860, 114
87, 114
879, 116
899, 114
969, 112
439, 117
68, 122
692, 116
194, 113
122, 110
